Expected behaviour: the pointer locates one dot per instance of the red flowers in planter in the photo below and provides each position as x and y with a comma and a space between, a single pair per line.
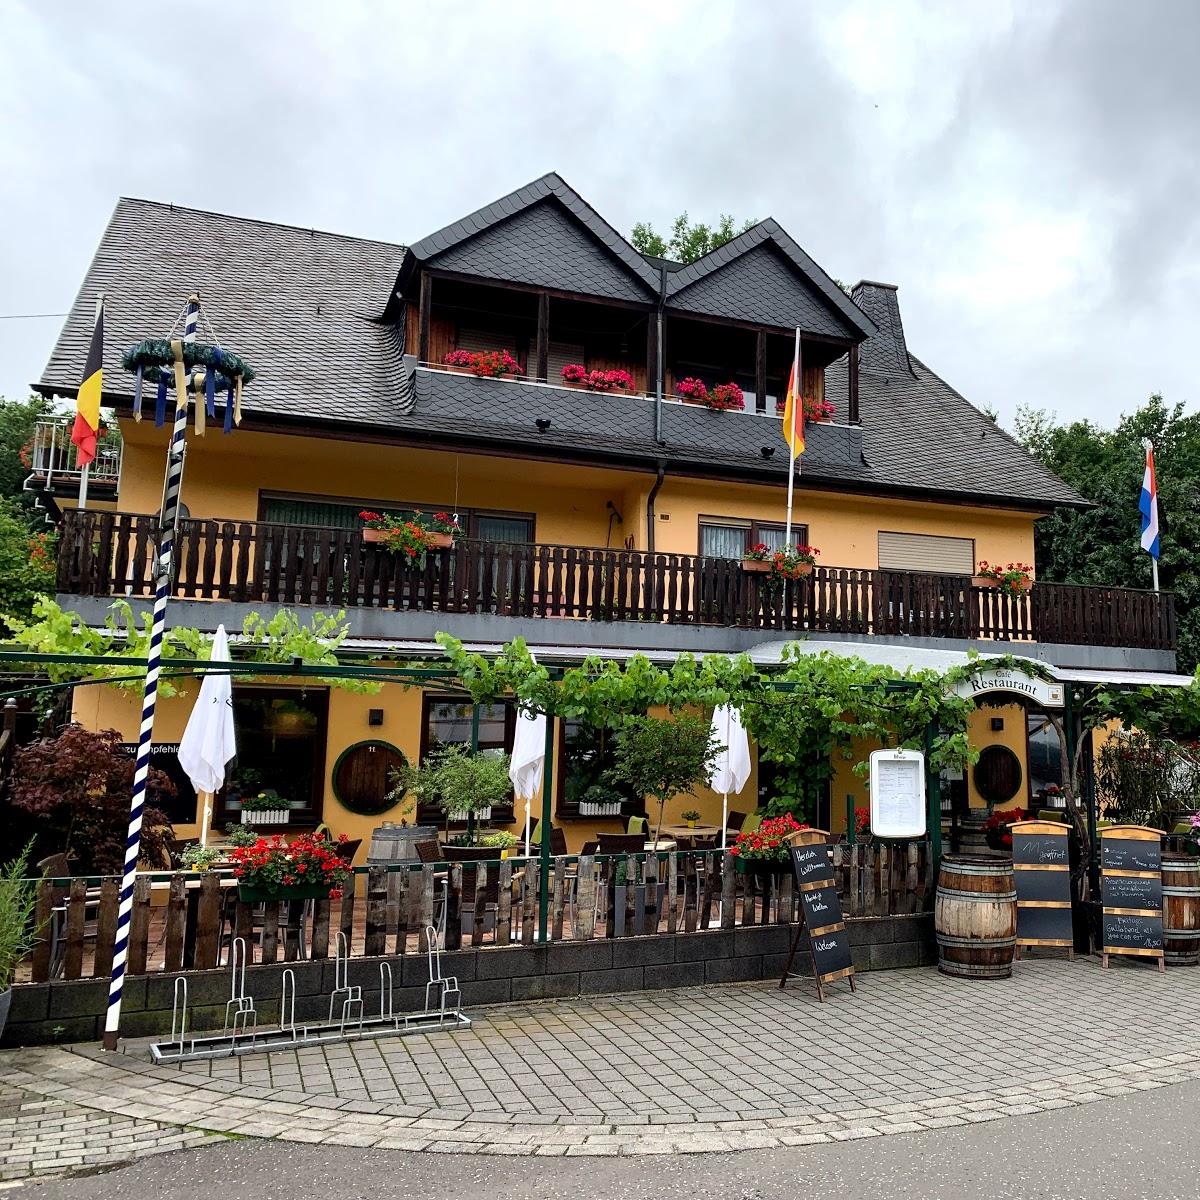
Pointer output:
724, 397
274, 863
996, 827
484, 363
597, 381
768, 842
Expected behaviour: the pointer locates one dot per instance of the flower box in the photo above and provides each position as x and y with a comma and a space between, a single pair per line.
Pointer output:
440, 541
984, 581
267, 816
296, 891
757, 566
597, 808
481, 814
374, 535
801, 569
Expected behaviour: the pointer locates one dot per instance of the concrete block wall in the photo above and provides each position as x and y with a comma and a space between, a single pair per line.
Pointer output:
62, 1011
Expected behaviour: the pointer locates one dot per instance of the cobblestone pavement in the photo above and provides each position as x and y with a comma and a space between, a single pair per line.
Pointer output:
716, 1068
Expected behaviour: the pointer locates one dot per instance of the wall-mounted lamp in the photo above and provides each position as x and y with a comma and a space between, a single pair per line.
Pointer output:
767, 451
997, 724
543, 423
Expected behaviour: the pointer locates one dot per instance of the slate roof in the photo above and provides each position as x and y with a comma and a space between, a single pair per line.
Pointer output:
299, 305
305, 308
754, 277
546, 235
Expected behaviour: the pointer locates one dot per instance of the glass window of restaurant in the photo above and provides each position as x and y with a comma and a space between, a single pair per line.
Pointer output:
447, 722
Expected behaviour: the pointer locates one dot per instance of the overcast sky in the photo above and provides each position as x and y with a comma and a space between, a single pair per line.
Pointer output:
1026, 172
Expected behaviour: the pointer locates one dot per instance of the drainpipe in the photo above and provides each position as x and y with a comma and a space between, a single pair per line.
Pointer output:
658, 482
658, 367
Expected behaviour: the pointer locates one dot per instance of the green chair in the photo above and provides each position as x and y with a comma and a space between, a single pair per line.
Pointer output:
1182, 827
639, 826
1052, 814
752, 822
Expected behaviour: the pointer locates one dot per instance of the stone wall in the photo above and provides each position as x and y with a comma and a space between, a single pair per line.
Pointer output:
63, 1011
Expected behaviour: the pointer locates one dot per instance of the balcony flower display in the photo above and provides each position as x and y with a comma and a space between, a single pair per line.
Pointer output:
788, 562
408, 537
306, 868
726, 397
814, 409
764, 851
577, 375
443, 529
692, 390
1012, 580
486, 364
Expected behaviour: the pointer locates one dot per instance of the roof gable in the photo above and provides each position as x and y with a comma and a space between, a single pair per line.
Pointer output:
763, 276
544, 235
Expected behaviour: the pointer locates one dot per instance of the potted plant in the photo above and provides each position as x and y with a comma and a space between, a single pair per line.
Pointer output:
306, 868
759, 559
691, 816
793, 562
200, 858
764, 852
375, 525
692, 390
664, 758
577, 376
819, 412
239, 835
726, 397
501, 839
1012, 580
443, 530
470, 785
1191, 840
16, 924
485, 364
862, 826
267, 807
600, 800
996, 828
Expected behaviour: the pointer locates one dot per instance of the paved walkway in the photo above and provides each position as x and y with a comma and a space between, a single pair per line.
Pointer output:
700, 1069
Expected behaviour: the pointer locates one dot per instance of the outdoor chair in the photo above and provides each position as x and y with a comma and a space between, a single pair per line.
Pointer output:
558, 842
428, 853
56, 866
473, 855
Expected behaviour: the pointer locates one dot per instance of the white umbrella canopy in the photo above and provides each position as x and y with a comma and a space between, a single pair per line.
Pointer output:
208, 742
731, 767
528, 763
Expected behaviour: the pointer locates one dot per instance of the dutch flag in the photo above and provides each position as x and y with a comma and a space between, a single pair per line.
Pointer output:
1148, 504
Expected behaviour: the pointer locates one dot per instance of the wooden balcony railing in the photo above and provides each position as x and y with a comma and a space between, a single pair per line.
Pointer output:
112, 554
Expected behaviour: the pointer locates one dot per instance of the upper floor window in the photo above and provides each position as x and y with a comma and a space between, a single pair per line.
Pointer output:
926, 552
731, 537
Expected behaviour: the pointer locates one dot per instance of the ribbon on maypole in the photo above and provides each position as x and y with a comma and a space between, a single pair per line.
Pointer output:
169, 519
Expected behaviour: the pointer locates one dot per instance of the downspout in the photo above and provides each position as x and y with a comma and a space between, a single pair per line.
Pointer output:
658, 482
658, 365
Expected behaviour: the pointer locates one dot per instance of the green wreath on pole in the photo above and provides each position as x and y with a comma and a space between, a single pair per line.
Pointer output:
154, 358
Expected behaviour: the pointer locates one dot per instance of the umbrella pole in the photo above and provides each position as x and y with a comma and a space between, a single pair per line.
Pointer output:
162, 590
544, 849
205, 816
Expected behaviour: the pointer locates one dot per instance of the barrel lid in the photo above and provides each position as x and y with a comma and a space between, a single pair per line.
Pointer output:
981, 859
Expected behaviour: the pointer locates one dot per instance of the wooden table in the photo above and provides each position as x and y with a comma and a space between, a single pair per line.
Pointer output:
692, 831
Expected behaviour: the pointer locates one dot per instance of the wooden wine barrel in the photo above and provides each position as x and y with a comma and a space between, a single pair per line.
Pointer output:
1181, 910
971, 837
975, 916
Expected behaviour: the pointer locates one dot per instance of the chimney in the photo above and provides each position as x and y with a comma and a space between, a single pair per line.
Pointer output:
885, 351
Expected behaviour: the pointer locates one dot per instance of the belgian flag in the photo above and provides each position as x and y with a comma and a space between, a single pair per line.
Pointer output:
87, 402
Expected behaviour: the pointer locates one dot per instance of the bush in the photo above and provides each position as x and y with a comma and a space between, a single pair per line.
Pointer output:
81, 783
1142, 780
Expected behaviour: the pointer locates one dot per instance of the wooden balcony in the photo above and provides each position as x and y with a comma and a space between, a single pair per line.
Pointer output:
112, 554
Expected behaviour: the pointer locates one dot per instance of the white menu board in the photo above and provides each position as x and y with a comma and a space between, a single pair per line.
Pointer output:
898, 807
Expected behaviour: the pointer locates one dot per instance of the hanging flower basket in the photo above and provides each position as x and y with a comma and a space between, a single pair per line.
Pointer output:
757, 566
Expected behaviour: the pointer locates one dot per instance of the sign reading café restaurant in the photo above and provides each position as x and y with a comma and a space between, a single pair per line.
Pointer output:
1040, 691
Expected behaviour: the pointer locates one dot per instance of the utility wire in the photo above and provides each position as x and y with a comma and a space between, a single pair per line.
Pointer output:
29, 316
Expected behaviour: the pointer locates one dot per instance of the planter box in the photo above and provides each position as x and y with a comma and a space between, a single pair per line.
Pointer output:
984, 581
440, 541
483, 814
305, 891
591, 808
272, 816
374, 536
755, 566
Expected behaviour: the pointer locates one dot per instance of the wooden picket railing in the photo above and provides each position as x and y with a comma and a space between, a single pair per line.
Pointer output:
493, 903
112, 554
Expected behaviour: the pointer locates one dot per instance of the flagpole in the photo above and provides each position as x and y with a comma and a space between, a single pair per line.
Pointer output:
797, 407
141, 773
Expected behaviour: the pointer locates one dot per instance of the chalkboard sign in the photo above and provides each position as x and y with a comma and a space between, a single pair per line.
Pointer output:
1039, 849
820, 913
1126, 854
810, 864
1042, 874
1131, 891
1124, 934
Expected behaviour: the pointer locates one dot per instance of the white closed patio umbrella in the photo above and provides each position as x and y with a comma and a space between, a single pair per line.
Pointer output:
208, 742
528, 763
731, 767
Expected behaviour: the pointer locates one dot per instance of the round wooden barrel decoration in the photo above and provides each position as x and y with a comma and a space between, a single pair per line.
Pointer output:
362, 777
1181, 910
975, 916
998, 774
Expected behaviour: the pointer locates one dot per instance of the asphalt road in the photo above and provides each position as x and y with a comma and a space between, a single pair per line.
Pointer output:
1137, 1146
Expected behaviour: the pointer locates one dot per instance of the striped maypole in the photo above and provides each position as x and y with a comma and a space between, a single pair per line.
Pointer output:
166, 547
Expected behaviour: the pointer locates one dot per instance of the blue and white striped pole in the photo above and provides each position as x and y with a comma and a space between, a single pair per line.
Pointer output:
166, 548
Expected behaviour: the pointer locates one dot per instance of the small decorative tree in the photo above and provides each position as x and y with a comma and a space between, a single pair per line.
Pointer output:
461, 783
81, 782
665, 758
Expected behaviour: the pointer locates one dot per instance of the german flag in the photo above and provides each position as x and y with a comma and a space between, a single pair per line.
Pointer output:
87, 402
793, 414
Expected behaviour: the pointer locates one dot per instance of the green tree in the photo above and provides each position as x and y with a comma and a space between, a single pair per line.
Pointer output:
1101, 545
27, 565
687, 242
17, 419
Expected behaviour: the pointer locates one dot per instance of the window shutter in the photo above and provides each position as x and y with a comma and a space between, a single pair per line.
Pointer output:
926, 552
481, 341
559, 354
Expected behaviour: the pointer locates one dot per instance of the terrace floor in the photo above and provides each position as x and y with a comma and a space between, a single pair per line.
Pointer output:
700, 1069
